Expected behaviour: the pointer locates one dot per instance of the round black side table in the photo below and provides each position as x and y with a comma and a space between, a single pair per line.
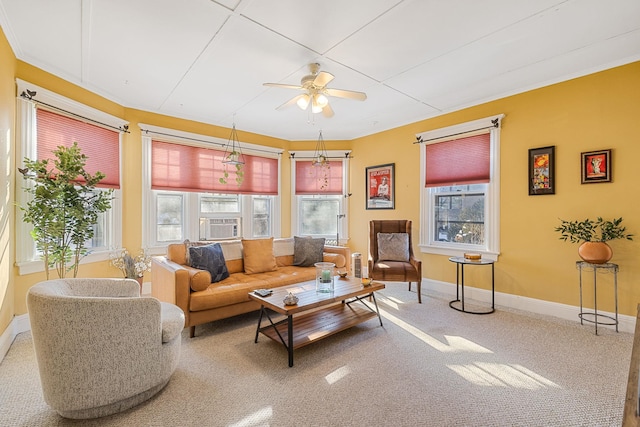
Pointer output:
460, 263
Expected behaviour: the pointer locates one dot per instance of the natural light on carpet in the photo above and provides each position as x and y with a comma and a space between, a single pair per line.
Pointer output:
338, 374
258, 418
454, 344
502, 375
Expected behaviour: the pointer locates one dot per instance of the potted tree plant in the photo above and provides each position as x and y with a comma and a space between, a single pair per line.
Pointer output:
64, 207
593, 234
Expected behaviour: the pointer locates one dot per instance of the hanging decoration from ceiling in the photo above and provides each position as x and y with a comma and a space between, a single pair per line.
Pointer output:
321, 162
233, 158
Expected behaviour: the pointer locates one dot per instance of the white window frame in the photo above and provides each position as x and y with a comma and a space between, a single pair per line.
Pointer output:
491, 248
191, 205
27, 259
334, 155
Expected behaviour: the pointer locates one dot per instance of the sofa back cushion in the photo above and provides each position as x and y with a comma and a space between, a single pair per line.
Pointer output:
307, 251
258, 255
283, 249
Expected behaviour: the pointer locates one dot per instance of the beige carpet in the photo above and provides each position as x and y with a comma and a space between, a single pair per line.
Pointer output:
428, 366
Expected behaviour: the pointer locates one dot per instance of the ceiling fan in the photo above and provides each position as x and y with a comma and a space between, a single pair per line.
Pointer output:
316, 92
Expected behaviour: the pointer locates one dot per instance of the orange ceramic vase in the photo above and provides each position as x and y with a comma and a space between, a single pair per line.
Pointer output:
595, 252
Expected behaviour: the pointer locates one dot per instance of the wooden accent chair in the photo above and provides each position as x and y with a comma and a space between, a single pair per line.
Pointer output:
394, 270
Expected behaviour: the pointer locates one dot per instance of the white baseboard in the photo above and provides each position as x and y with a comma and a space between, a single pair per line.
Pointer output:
18, 325
546, 308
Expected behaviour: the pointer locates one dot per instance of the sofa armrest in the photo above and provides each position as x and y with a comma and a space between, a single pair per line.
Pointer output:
342, 250
417, 264
170, 282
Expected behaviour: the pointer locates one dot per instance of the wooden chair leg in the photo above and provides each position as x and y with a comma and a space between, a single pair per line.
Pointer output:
192, 331
419, 291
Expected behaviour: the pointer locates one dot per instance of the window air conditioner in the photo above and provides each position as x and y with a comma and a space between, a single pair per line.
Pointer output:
219, 228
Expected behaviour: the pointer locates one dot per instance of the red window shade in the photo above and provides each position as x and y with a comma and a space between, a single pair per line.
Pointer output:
460, 161
178, 167
311, 179
100, 145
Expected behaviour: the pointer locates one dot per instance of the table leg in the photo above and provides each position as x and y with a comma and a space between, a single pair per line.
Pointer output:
493, 288
259, 323
615, 290
580, 315
290, 336
376, 304
595, 299
462, 284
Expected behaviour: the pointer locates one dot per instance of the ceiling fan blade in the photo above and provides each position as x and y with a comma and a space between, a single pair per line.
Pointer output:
292, 101
349, 94
322, 79
283, 86
327, 111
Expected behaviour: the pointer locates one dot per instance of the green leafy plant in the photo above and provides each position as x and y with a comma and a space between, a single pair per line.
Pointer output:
64, 207
239, 169
589, 230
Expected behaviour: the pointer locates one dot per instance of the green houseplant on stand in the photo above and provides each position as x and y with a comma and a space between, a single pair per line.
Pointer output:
593, 234
63, 208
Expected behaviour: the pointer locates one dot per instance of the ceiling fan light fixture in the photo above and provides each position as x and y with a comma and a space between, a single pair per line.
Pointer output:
303, 101
321, 100
315, 107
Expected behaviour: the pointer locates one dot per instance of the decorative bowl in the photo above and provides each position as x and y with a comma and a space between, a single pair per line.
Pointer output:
290, 299
366, 281
342, 274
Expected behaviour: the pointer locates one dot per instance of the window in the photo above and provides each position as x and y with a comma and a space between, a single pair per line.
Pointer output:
319, 203
460, 189
50, 120
186, 199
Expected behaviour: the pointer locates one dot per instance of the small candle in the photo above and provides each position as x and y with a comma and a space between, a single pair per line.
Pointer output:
326, 275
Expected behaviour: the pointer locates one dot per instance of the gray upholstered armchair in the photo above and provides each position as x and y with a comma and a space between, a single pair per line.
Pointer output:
100, 347
391, 253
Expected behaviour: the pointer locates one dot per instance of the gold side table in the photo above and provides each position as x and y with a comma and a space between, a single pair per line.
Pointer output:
594, 317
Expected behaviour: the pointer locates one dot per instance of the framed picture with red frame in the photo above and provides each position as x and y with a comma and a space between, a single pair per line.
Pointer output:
542, 170
380, 181
596, 166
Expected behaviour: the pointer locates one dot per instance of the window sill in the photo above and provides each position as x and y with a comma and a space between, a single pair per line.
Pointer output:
447, 251
30, 267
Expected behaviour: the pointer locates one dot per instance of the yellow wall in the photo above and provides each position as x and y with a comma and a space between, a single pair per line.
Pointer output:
599, 111
594, 112
7, 167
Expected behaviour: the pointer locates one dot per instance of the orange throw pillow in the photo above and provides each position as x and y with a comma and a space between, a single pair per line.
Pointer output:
258, 255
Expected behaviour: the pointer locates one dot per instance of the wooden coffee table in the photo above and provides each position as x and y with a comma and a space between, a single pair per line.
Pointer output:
316, 315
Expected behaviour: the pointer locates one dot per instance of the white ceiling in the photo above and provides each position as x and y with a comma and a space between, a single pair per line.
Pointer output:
206, 60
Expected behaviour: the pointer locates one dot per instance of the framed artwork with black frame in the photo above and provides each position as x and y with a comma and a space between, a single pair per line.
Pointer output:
381, 181
542, 170
596, 166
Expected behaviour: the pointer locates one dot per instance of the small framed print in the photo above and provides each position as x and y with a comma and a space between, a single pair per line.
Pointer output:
542, 170
596, 166
380, 181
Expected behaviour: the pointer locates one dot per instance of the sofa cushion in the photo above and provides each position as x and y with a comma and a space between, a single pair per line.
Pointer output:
211, 259
393, 246
258, 255
235, 289
307, 251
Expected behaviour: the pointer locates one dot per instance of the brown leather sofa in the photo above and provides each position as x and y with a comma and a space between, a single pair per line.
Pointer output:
174, 281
